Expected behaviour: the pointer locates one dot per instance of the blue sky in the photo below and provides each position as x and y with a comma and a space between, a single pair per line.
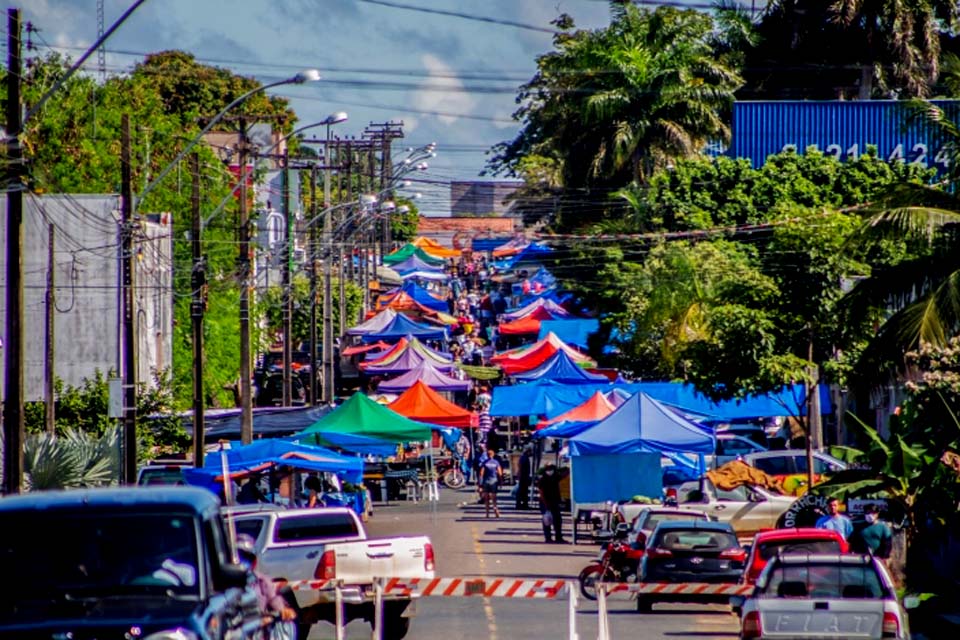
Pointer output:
450, 80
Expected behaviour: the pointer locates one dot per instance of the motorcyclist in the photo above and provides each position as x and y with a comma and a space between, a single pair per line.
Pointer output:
272, 604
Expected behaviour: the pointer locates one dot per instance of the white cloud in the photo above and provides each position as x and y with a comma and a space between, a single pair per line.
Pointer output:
442, 91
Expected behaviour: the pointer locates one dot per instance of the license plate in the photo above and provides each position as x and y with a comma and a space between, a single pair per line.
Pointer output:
823, 622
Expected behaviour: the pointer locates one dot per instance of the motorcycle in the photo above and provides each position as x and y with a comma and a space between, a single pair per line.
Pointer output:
619, 562
450, 472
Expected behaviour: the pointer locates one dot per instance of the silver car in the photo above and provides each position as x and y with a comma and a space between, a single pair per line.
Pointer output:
823, 596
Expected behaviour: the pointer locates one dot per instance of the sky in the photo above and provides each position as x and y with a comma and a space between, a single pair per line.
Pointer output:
449, 79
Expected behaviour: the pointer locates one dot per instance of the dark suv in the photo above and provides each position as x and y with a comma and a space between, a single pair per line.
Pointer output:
121, 563
690, 551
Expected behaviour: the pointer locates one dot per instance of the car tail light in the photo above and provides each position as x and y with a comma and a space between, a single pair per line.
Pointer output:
891, 625
659, 552
428, 558
327, 567
736, 554
751, 626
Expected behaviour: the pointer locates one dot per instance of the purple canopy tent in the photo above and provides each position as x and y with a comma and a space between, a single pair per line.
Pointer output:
428, 373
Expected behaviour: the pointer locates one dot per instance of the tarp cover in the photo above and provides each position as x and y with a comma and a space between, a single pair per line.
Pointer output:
422, 403
532, 253
550, 399
362, 416
408, 250
402, 326
616, 477
486, 244
435, 249
529, 325
263, 454
643, 424
560, 367
574, 331
418, 274
428, 373
374, 324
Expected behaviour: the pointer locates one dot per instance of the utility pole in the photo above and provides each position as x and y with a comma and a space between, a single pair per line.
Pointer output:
328, 378
342, 269
129, 308
287, 286
314, 289
246, 399
49, 336
198, 282
13, 347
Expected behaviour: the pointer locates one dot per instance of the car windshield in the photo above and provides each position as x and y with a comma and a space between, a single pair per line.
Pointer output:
654, 519
768, 550
824, 580
97, 554
697, 540
161, 476
250, 526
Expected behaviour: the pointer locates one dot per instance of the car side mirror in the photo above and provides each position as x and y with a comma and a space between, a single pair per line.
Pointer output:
754, 497
233, 576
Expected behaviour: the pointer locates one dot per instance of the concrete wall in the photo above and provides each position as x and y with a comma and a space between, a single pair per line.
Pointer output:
481, 198
86, 259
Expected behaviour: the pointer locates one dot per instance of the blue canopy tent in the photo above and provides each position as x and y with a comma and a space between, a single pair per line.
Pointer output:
643, 424
550, 399
424, 297
619, 456
560, 367
402, 326
562, 430
416, 274
487, 244
543, 278
532, 253
262, 455
574, 331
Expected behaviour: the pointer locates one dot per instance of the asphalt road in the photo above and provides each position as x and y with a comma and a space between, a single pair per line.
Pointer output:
469, 545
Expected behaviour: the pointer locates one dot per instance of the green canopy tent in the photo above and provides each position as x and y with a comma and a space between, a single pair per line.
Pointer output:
408, 250
361, 416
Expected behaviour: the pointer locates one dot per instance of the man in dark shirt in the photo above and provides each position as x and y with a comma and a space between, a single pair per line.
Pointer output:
548, 490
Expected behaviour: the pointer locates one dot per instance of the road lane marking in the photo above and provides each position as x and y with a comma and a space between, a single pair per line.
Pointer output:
487, 604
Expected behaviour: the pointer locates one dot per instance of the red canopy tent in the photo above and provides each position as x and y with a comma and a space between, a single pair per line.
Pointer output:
527, 358
527, 324
595, 408
364, 348
423, 404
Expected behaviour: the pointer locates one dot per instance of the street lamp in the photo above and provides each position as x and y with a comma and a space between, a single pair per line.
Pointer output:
307, 75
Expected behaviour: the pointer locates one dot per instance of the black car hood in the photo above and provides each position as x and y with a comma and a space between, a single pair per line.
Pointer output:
101, 619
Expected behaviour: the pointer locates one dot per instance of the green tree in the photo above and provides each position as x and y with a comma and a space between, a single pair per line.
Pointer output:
614, 104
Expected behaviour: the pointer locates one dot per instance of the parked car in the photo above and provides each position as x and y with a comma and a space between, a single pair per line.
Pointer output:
748, 509
331, 543
647, 520
731, 446
269, 391
749, 430
768, 544
100, 563
166, 473
690, 551
790, 466
823, 596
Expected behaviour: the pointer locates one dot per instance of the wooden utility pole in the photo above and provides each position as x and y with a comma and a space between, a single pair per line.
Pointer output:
129, 308
287, 285
198, 282
314, 289
50, 337
246, 399
13, 345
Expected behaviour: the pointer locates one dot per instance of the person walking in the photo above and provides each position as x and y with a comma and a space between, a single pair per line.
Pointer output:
490, 474
524, 477
548, 492
836, 521
876, 537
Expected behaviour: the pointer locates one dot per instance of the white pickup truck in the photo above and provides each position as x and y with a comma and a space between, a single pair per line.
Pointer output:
331, 543
748, 509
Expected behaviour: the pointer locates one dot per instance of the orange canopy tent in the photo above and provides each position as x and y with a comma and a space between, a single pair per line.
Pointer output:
435, 249
530, 357
595, 408
423, 404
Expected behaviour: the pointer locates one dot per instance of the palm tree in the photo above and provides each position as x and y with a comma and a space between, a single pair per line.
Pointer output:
614, 104
902, 40
917, 300
74, 459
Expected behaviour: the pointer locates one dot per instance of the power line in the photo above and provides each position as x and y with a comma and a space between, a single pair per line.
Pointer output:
460, 14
